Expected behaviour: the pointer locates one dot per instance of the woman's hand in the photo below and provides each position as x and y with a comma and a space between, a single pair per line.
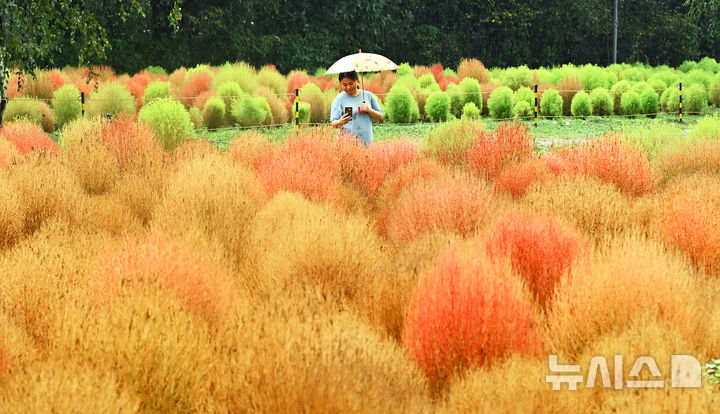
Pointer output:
342, 121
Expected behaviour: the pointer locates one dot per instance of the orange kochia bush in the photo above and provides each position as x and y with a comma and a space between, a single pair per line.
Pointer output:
467, 312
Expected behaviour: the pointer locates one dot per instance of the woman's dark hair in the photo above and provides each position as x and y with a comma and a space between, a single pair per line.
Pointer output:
352, 75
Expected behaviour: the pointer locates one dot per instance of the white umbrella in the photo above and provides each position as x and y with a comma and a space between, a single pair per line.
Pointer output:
361, 62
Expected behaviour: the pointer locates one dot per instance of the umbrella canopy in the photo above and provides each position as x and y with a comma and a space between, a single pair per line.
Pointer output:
361, 62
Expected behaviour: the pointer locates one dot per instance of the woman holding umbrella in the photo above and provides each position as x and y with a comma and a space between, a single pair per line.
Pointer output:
355, 109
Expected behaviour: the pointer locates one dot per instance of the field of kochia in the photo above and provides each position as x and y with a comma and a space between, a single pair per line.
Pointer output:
145, 271
238, 95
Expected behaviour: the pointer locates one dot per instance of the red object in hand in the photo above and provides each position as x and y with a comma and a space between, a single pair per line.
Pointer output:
360, 109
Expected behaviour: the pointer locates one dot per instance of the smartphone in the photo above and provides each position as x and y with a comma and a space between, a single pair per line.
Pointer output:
348, 110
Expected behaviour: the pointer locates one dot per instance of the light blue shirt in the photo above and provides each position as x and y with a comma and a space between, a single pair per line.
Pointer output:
361, 124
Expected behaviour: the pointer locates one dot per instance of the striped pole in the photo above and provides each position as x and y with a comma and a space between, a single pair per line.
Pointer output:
297, 109
536, 105
680, 86
82, 101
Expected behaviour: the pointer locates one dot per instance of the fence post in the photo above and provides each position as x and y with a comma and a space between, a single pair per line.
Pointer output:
536, 105
297, 109
82, 101
680, 86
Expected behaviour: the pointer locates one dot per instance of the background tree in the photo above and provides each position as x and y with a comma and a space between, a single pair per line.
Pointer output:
45, 33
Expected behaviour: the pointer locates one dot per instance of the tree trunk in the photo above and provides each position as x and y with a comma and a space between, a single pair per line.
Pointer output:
3, 90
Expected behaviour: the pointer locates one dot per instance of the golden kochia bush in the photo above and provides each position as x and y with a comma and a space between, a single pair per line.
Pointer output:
297, 242
156, 350
648, 335
515, 385
64, 386
630, 277
194, 279
468, 312
9, 154
453, 202
302, 356
689, 220
87, 156
17, 352
596, 208
688, 158
45, 188
42, 272
211, 200
517, 177
245, 148
11, 218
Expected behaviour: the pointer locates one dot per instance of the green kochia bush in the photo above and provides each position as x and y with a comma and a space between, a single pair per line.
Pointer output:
303, 112
111, 98
649, 102
437, 107
517, 77
580, 105
456, 99
471, 92
601, 103
551, 103
157, 89
250, 111
525, 95
228, 92
470, 111
695, 98
401, 106
196, 117
523, 109
630, 103
23, 108
500, 103
670, 99
214, 113
169, 120
66, 104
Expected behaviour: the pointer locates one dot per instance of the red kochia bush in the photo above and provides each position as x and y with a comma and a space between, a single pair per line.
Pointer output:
689, 220
367, 168
437, 72
517, 177
307, 164
611, 160
466, 313
195, 281
540, 250
196, 90
457, 203
490, 152
27, 137
128, 140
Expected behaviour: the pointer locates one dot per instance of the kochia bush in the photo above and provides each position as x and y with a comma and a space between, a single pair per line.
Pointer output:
437, 106
169, 120
581, 104
155, 90
214, 113
471, 92
601, 102
111, 98
468, 313
250, 111
551, 103
66, 104
500, 103
470, 111
630, 103
401, 106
